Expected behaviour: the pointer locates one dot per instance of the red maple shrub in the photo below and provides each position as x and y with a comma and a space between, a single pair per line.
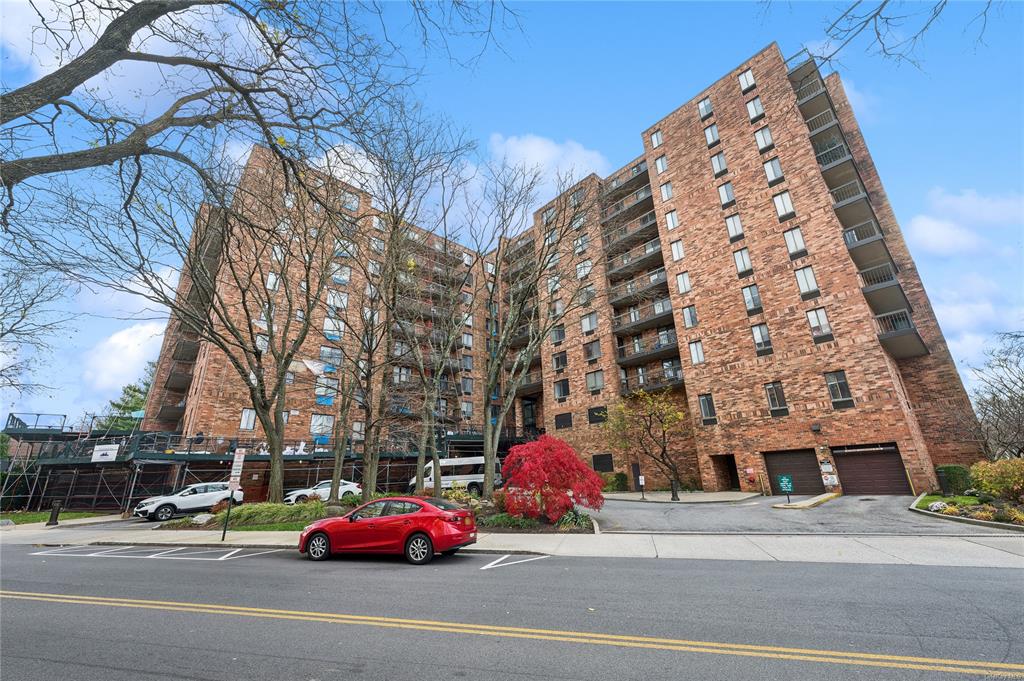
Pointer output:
546, 477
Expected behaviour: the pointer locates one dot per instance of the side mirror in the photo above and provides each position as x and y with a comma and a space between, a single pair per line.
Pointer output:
354, 517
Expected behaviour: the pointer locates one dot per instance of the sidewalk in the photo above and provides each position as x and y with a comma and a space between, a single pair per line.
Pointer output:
684, 497
965, 550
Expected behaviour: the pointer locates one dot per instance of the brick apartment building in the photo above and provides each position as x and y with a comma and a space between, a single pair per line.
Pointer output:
750, 263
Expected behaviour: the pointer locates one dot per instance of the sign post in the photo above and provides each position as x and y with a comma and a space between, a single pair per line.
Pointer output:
785, 485
234, 484
641, 481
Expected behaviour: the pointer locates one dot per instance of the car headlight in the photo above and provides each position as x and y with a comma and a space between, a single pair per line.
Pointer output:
306, 528
144, 504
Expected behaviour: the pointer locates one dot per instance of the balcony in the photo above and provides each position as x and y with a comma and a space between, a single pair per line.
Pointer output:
532, 384
866, 243
171, 412
640, 258
180, 376
519, 249
519, 336
634, 231
809, 89
644, 317
624, 206
820, 122
628, 180
510, 363
634, 289
185, 350
662, 346
899, 336
523, 265
831, 154
848, 193
649, 381
882, 289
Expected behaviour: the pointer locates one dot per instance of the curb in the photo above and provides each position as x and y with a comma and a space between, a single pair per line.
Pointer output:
683, 503
218, 545
813, 502
967, 521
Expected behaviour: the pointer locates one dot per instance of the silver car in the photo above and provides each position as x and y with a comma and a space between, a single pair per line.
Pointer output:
322, 489
199, 497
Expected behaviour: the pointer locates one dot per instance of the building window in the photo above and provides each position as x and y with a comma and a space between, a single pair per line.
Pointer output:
334, 328
262, 342
742, 260
707, 410
762, 341
704, 108
273, 280
349, 201
718, 164
821, 330
755, 110
587, 294
467, 385
725, 195
711, 135
666, 191
773, 171
784, 206
696, 352
690, 316
321, 424
489, 267
580, 244
583, 269
592, 350
377, 244
807, 283
467, 319
597, 415
467, 410
734, 226
661, 164
683, 282
374, 268
562, 389
677, 250
551, 237
764, 139
776, 399
358, 431
558, 334
248, 421
330, 355
341, 274
559, 361
839, 390
467, 340
563, 421
589, 322
554, 283
752, 299
656, 139
671, 220
576, 198
400, 374
277, 253
467, 362
795, 243
595, 380
556, 308
578, 221
747, 80
548, 215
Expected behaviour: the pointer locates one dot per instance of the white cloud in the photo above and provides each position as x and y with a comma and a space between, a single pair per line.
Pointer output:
863, 103
964, 223
942, 237
969, 205
568, 158
121, 357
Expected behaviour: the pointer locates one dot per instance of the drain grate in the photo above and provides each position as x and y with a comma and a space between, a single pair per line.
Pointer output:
867, 499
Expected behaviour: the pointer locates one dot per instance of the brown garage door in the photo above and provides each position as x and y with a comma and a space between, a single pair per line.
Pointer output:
871, 470
801, 464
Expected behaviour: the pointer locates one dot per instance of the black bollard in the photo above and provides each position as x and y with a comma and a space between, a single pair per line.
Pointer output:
54, 512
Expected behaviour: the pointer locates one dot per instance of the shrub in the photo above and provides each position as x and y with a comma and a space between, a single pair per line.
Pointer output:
269, 514
574, 519
621, 482
457, 493
499, 500
219, 506
958, 477
543, 474
1003, 479
506, 520
950, 510
312, 497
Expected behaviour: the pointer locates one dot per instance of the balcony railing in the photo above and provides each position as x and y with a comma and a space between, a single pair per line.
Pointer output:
833, 154
892, 322
809, 89
632, 255
880, 274
531, 381
634, 286
821, 120
845, 192
642, 314
662, 377
626, 203
518, 248
625, 176
631, 227
652, 344
862, 232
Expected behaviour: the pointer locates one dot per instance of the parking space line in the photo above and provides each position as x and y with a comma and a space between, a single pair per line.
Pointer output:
226, 556
106, 551
250, 555
498, 563
164, 553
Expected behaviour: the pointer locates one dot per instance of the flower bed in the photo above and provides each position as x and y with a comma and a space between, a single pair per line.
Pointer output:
983, 507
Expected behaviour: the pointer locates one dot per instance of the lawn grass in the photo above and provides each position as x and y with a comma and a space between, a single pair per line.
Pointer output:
25, 517
273, 527
959, 501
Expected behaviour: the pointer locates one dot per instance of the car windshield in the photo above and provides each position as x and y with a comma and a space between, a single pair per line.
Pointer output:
443, 504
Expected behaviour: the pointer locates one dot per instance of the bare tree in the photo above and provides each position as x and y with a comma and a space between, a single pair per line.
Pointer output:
534, 275
29, 321
999, 398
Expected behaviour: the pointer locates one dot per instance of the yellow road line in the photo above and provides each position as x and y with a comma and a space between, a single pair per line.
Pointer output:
1000, 669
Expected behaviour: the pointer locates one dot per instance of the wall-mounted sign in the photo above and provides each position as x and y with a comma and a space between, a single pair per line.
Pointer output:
102, 453
826, 467
830, 480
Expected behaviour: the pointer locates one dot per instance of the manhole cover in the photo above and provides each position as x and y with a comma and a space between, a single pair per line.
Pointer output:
867, 499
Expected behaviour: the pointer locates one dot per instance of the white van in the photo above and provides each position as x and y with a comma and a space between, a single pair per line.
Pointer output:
466, 472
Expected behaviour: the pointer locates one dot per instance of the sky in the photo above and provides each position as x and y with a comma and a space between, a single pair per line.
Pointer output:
578, 83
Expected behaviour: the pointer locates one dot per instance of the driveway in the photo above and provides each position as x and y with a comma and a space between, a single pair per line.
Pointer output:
845, 515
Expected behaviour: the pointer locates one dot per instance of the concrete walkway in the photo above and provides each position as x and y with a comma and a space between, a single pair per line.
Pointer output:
684, 497
959, 549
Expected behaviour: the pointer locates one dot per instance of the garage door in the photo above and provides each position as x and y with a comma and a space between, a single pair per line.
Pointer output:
871, 470
802, 464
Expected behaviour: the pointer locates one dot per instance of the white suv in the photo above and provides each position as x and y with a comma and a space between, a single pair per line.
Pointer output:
323, 490
200, 497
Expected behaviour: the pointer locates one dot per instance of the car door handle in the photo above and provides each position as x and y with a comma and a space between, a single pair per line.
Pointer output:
407, 522
370, 525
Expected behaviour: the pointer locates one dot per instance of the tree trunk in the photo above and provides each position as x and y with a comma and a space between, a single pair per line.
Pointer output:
275, 481
490, 455
421, 456
675, 489
435, 457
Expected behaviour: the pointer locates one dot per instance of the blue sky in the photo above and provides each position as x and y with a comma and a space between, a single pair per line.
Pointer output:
579, 83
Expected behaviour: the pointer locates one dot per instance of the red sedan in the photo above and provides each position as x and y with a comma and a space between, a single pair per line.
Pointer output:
413, 526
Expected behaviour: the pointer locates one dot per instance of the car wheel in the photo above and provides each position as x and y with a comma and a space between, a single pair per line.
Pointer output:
348, 494
164, 513
418, 549
318, 547
299, 499
473, 489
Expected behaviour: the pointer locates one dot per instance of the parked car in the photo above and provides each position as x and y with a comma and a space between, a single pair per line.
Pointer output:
466, 472
322, 489
200, 497
413, 526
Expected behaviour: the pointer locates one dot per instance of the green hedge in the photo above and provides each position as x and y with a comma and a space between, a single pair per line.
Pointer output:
958, 477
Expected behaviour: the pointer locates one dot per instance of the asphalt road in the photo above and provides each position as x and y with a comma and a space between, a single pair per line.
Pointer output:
845, 515
714, 619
